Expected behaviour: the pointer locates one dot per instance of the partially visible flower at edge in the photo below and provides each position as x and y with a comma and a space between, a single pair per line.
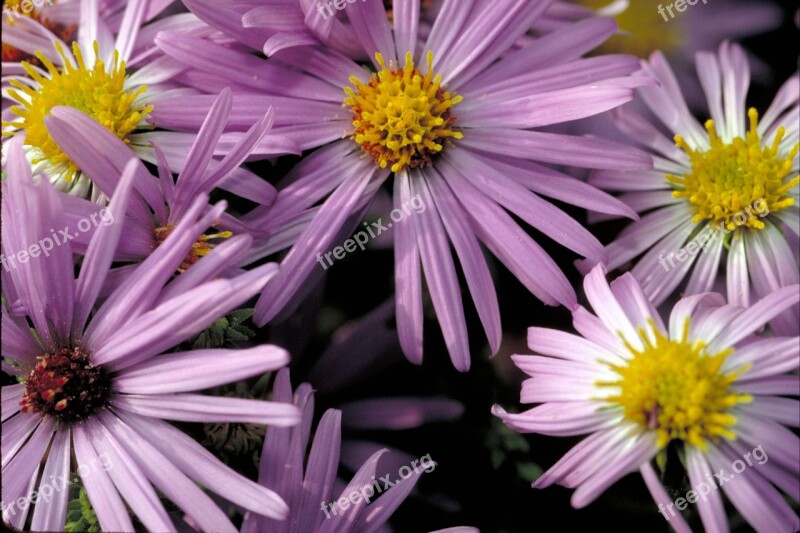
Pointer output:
93, 382
730, 188
706, 381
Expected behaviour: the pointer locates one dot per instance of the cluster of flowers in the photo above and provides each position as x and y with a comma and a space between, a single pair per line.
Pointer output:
146, 109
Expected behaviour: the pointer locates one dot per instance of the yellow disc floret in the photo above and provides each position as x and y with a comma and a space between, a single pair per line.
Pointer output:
730, 178
402, 117
677, 389
95, 90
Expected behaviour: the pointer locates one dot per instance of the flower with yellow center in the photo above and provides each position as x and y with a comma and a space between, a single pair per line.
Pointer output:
730, 177
678, 389
707, 386
402, 117
99, 90
720, 207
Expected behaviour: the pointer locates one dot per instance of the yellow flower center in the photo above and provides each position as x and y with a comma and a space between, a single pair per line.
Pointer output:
98, 92
402, 117
642, 30
199, 249
677, 389
730, 179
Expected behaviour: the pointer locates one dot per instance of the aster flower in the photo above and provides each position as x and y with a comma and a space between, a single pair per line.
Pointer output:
646, 26
165, 201
305, 484
453, 123
115, 77
705, 382
92, 382
724, 193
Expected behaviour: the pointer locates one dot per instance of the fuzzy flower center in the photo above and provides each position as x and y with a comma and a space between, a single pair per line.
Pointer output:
678, 389
95, 90
733, 177
67, 386
402, 117
643, 29
199, 249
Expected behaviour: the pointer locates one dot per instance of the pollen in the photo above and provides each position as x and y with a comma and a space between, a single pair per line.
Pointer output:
67, 386
201, 248
678, 389
96, 90
402, 117
733, 177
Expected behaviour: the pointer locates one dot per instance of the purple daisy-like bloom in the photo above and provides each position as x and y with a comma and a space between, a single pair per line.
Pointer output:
454, 123
727, 189
164, 200
92, 382
309, 485
706, 381
646, 26
112, 71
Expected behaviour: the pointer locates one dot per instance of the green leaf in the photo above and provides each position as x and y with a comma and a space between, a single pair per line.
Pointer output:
225, 331
530, 472
240, 315
80, 514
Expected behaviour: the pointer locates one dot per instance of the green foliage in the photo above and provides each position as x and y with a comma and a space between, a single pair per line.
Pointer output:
225, 332
233, 440
80, 515
507, 446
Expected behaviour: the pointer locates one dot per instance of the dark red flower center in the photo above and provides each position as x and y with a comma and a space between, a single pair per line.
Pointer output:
66, 385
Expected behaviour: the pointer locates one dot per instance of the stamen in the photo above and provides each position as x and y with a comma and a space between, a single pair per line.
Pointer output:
402, 117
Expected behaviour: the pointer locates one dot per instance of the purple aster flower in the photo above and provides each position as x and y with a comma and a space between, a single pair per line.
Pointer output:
112, 72
164, 200
706, 381
723, 194
453, 123
92, 382
646, 26
309, 485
